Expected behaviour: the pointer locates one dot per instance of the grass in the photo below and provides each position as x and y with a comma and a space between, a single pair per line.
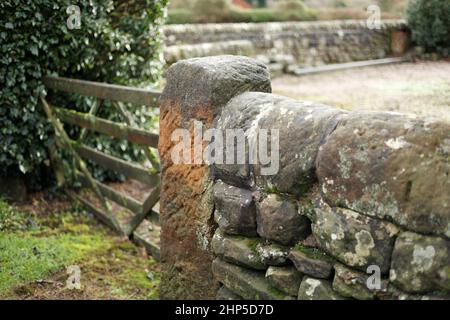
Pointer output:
25, 258
129, 280
36, 249
136, 275
12, 219
234, 14
187, 12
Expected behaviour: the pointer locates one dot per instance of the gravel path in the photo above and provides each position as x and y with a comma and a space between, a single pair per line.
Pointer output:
420, 88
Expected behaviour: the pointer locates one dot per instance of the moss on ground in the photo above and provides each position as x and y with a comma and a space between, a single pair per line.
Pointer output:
131, 280
26, 258
36, 249
12, 219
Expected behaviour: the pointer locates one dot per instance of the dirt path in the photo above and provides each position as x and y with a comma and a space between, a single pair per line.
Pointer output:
418, 88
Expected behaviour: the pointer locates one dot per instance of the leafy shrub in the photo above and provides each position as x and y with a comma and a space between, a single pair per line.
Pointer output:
12, 219
342, 14
429, 21
117, 42
211, 10
179, 16
294, 10
255, 15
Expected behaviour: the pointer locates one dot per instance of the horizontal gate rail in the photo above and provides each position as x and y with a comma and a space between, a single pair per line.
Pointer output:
131, 170
117, 197
130, 121
107, 91
107, 127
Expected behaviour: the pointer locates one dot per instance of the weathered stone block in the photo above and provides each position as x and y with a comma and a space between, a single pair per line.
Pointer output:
250, 285
285, 279
421, 264
173, 54
235, 210
238, 250
272, 254
393, 293
213, 81
196, 90
279, 220
380, 164
226, 294
317, 289
302, 127
312, 262
353, 284
354, 239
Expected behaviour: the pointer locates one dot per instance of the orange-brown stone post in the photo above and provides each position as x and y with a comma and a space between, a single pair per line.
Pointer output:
400, 41
196, 90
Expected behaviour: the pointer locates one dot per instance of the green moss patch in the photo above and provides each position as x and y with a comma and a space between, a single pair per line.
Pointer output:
253, 244
277, 293
313, 253
34, 258
26, 258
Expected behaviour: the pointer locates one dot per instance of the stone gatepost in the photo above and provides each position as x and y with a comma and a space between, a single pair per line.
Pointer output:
196, 90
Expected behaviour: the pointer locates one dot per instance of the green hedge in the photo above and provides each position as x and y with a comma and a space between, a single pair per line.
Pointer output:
117, 42
429, 21
219, 11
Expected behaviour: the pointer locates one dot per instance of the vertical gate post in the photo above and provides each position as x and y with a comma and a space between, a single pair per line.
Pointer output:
196, 90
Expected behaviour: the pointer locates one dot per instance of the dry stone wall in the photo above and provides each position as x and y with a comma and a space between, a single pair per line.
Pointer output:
359, 208
284, 43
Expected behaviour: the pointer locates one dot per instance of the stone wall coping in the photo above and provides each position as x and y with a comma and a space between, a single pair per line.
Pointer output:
278, 26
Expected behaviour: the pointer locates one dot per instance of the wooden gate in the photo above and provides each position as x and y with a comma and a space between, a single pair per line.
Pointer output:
143, 226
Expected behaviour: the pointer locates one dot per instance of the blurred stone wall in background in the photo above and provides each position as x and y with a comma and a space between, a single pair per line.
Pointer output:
284, 45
